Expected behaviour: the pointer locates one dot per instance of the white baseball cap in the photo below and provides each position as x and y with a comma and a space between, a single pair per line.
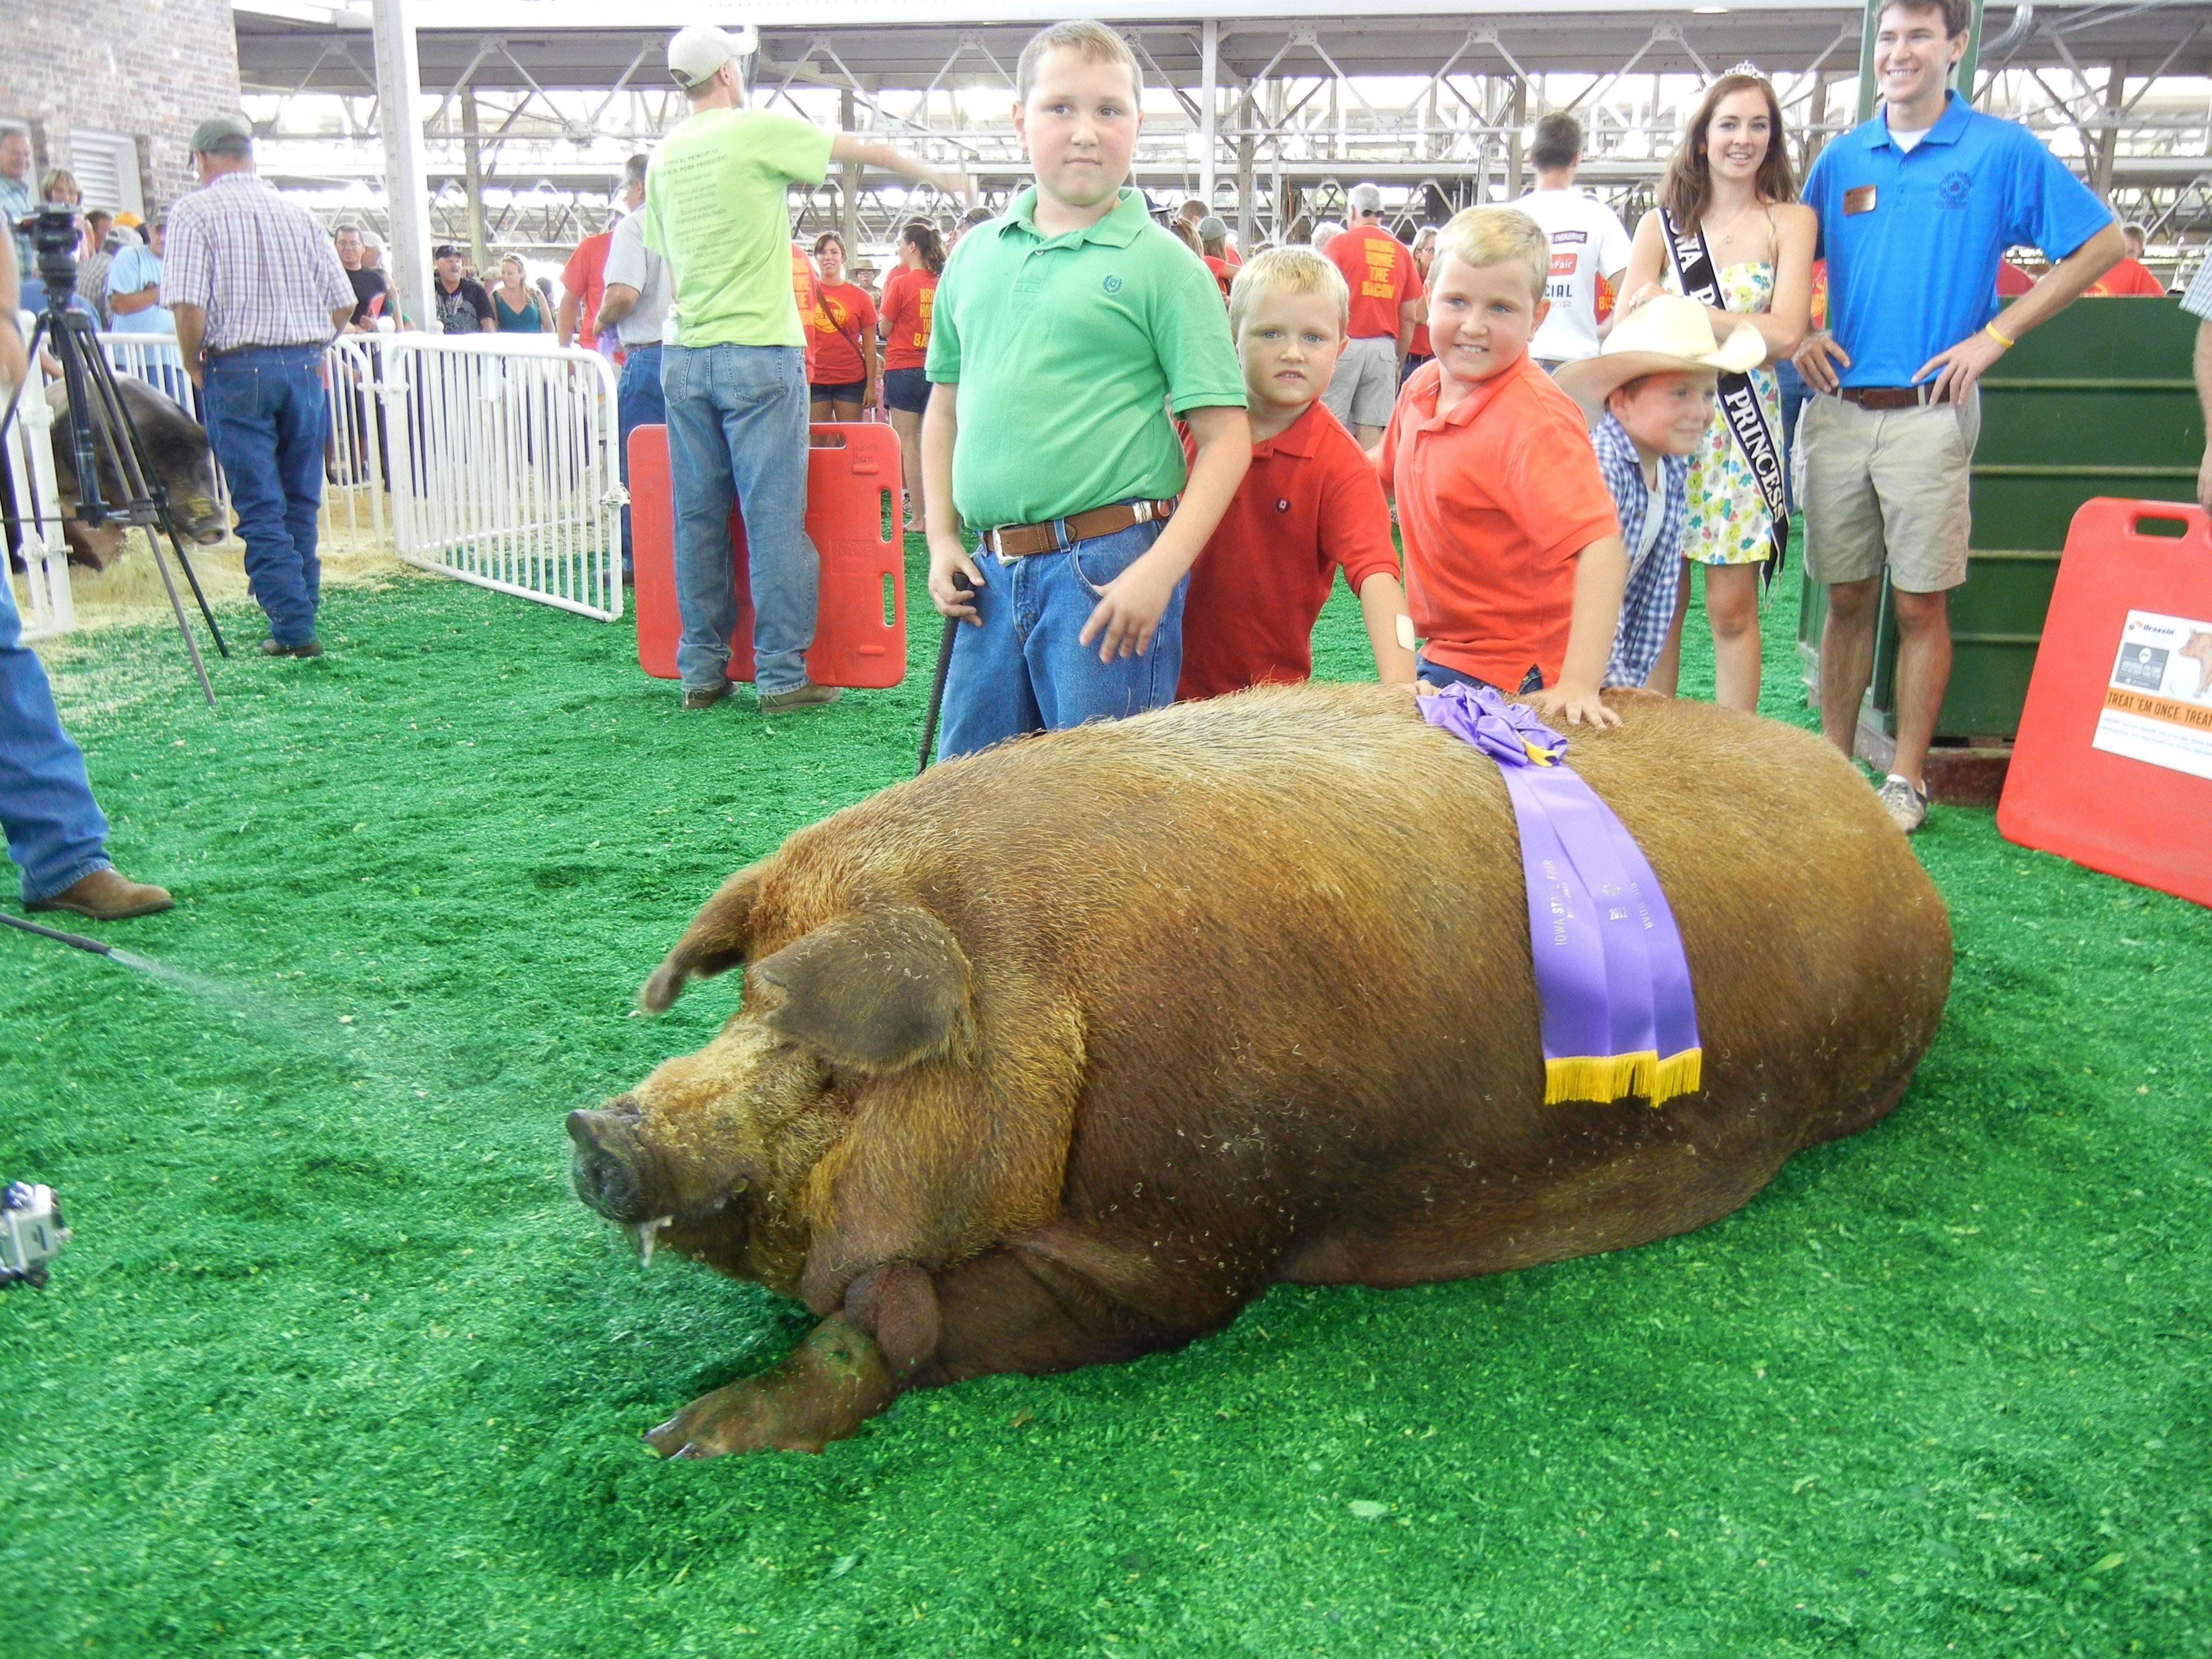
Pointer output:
696, 52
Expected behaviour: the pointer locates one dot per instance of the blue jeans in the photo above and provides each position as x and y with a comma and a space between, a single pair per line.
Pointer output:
1023, 672
1438, 675
268, 422
737, 423
55, 833
638, 403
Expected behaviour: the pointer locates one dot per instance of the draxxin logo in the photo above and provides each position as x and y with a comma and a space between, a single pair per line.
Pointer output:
1112, 284
1953, 189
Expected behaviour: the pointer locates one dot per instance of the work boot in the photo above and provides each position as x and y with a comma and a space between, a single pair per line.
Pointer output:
806, 694
275, 648
107, 894
705, 697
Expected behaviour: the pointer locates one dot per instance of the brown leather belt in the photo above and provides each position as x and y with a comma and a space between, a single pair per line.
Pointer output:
1018, 541
1885, 397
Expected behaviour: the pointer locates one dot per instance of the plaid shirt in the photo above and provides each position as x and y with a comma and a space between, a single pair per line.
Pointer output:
2197, 303
16, 202
258, 266
1647, 609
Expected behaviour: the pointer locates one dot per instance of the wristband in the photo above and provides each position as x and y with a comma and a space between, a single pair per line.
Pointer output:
1990, 329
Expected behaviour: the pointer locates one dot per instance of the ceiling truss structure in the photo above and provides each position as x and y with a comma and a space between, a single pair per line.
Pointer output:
1270, 122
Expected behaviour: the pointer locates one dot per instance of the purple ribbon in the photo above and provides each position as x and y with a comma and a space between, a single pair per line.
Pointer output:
1612, 985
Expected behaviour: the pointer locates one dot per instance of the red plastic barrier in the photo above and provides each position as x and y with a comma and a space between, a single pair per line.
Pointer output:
2113, 767
859, 624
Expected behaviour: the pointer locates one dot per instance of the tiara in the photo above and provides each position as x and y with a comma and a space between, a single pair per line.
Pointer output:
1747, 67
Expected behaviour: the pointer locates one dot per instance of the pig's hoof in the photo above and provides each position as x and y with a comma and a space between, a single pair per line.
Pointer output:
833, 1382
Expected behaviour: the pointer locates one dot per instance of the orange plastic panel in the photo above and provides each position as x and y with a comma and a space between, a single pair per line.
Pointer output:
2113, 767
853, 486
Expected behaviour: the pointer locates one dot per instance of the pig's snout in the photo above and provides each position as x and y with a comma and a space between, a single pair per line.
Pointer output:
607, 1174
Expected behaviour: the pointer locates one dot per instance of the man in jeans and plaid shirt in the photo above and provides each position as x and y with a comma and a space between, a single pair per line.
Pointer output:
258, 292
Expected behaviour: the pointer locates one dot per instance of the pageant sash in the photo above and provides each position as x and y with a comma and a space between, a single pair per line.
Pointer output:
1740, 404
1612, 985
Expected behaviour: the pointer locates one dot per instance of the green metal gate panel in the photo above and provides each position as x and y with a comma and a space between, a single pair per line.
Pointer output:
2097, 402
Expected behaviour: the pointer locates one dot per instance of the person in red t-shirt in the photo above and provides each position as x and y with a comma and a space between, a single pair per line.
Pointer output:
2130, 278
841, 356
1514, 567
1424, 255
584, 278
1386, 293
909, 298
1310, 506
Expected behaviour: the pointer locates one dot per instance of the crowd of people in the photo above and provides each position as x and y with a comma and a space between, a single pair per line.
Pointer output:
1141, 454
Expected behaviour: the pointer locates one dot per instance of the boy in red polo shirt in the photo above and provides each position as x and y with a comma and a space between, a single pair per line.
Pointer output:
1514, 562
1310, 505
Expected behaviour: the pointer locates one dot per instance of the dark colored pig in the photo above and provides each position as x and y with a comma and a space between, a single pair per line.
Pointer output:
178, 446
1064, 1052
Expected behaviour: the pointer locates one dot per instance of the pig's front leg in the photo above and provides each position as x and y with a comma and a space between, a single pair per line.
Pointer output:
831, 1383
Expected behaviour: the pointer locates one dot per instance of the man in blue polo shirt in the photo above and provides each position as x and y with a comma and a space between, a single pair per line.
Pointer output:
1917, 207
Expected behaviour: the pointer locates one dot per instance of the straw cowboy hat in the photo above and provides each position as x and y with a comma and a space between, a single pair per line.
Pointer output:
1665, 335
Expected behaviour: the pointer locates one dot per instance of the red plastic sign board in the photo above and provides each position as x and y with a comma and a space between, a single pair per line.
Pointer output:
851, 495
2113, 767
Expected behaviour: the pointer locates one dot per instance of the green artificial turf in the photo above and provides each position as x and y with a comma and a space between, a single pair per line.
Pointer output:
336, 1365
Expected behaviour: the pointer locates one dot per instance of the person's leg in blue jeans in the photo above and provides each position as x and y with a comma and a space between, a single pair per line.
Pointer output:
1072, 684
700, 482
243, 395
303, 419
988, 697
56, 832
762, 397
638, 402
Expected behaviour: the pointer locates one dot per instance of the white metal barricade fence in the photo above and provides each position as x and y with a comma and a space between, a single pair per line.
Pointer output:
488, 458
34, 511
354, 517
505, 465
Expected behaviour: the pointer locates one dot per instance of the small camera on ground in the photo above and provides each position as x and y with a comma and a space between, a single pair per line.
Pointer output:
31, 1233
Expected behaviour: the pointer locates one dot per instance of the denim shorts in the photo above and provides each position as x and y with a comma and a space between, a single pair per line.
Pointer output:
907, 389
846, 392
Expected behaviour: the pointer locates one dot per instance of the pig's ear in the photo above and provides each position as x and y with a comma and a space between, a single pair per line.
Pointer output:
874, 992
715, 940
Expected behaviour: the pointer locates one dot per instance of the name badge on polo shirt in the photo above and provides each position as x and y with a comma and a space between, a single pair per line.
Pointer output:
1860, 200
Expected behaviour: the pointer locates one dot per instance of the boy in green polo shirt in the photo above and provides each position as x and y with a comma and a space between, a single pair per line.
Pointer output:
1062, 335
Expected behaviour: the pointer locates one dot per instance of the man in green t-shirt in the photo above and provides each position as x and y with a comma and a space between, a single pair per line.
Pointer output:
734, 373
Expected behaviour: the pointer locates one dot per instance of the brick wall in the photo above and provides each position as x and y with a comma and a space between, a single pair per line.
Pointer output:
151, 69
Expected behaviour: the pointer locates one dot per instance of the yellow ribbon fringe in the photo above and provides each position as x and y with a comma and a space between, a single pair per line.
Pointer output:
1615, 1077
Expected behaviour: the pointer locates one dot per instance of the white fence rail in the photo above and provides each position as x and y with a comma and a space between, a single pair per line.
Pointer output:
33, 513
505, 465
491, 460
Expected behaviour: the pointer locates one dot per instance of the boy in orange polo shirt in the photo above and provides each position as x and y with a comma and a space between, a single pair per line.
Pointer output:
1514, 562
1310, 506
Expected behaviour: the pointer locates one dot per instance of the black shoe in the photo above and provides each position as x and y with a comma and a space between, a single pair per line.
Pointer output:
705, 697
273, 647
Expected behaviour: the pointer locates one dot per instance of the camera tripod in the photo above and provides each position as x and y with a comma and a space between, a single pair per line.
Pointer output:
105, 443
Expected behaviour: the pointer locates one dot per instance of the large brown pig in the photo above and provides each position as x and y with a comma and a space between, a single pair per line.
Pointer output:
1064, 1052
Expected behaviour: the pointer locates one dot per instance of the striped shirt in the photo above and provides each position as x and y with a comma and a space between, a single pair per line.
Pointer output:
258, 266
2197, 303
1655, 572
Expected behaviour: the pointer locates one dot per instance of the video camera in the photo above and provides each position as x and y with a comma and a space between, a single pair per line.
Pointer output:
31, 1233
54, 235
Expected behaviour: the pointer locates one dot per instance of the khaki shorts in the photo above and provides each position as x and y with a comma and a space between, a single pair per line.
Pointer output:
1364, 386
1888, 486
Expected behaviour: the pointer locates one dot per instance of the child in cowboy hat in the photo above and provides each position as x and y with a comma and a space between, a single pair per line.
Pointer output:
1649, 395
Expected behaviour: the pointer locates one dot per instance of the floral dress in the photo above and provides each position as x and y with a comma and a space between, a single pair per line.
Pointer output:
1728, 523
